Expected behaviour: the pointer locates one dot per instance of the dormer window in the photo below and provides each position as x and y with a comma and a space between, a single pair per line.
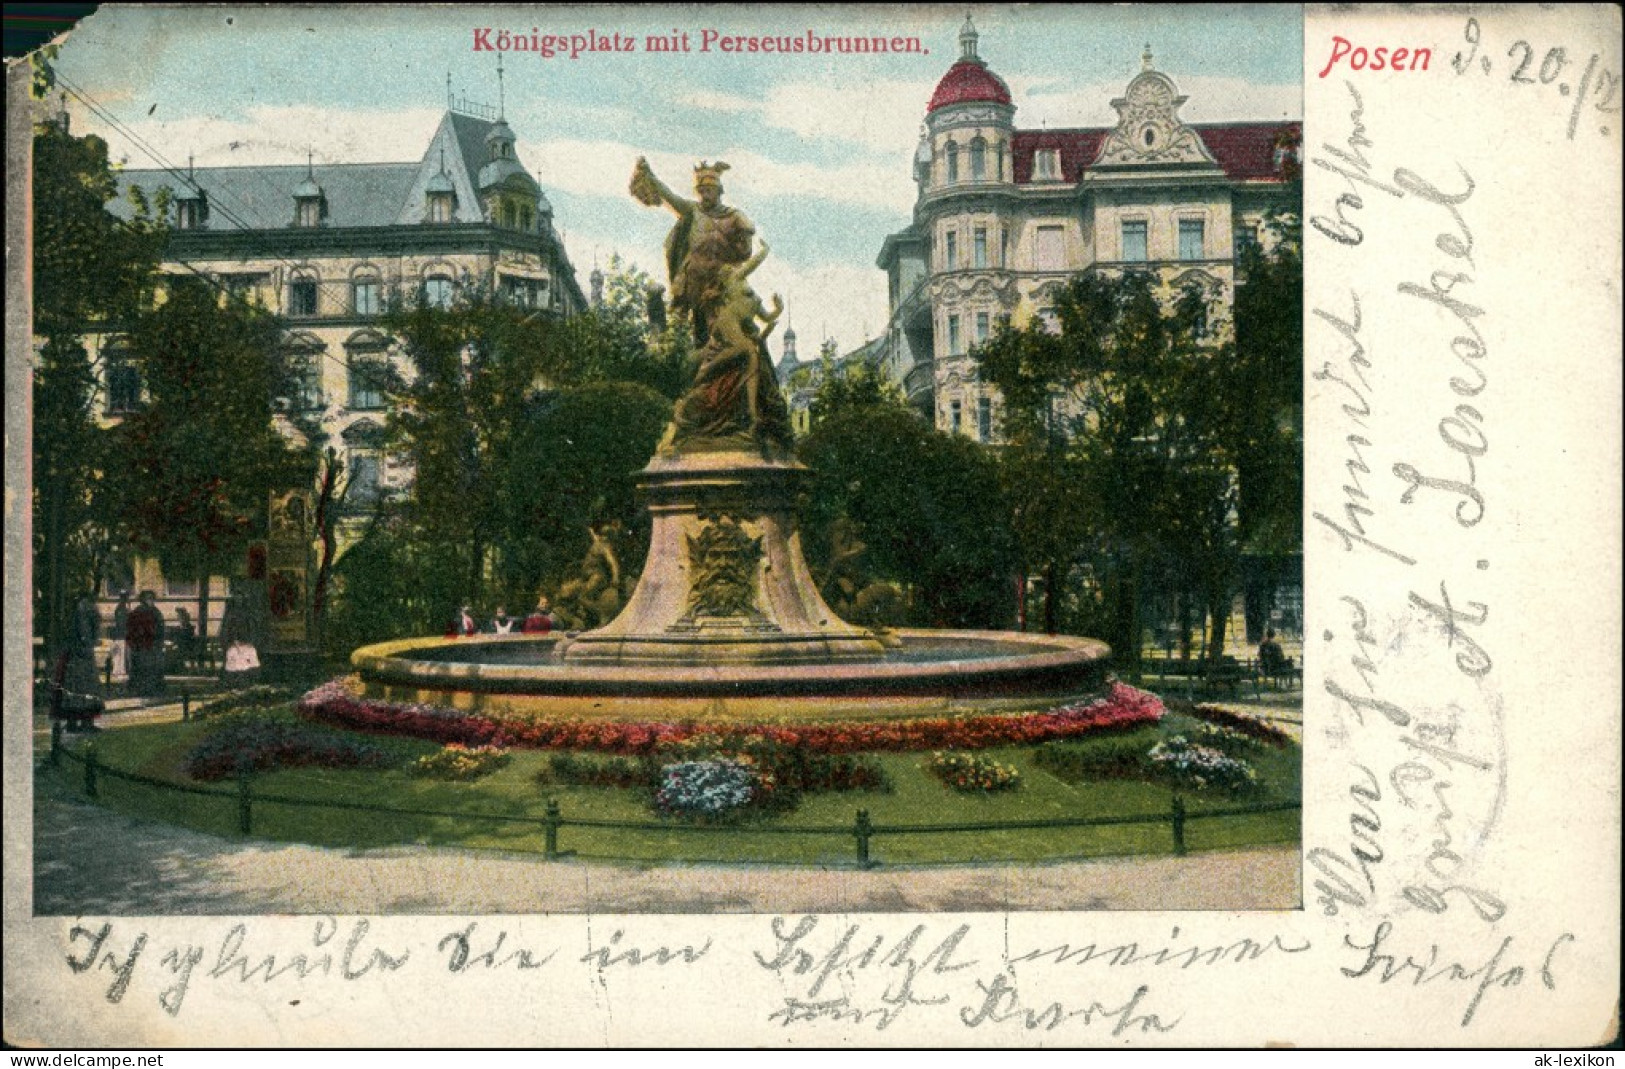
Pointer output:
191, 212
1047, 164
310, 204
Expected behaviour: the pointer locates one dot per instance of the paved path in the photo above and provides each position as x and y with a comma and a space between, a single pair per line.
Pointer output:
90, 860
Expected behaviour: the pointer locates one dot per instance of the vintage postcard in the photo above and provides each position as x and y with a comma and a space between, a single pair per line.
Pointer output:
695, 525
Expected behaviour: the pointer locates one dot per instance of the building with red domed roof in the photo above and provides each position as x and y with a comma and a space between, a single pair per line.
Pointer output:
1004, 216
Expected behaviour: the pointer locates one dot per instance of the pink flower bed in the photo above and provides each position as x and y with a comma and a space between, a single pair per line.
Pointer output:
338, 703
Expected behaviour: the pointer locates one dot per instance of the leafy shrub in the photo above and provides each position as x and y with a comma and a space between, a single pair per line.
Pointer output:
1119, 755
456, 761
1187, 764
571, 770
795, 767
710, 788
263, 742
972, 772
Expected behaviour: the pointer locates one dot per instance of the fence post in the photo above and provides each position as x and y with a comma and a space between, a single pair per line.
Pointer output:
1179, 825
862, 829
550, 823
90, 770
186, 706
245, 814
56, 743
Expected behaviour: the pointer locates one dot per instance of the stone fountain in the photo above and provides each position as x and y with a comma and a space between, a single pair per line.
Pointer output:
725, 621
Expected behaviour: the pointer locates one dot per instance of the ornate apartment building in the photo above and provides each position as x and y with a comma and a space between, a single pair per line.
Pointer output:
1005, 216
329, 246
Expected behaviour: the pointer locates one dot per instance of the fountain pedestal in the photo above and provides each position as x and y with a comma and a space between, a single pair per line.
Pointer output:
725, 582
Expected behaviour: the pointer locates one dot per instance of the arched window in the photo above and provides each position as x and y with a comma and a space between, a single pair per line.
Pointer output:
953, 162
367, 369
438, 291
978, 160
306, 354
366, 292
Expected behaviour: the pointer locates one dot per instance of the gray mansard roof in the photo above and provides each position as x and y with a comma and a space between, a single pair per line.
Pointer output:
262, 197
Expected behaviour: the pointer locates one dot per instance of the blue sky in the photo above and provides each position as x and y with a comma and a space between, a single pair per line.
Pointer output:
820, 145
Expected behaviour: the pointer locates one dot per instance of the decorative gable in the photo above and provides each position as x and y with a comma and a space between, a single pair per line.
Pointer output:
1149, 129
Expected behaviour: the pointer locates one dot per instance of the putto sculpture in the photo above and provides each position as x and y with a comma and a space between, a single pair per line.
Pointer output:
735, 396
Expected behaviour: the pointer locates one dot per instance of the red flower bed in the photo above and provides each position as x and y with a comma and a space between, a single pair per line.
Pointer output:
337, 703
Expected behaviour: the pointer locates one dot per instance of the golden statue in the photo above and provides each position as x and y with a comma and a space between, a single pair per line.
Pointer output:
708, 254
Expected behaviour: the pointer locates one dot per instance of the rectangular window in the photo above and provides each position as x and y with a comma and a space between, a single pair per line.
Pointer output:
366, 485
1047, 164
1245, 236
984, 419
180, 588
953, 336
954, 415
1190, 239
367, 379
1050, 247
123, 388
1134, 240
979, 247
302, 297
310, 385
366, 299
521, 292
951, 252
981, 326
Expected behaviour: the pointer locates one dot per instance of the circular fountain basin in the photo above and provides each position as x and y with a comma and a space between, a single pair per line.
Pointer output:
925, 673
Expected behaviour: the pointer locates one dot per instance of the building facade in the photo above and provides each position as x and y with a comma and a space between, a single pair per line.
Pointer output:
329, 248
1005, 216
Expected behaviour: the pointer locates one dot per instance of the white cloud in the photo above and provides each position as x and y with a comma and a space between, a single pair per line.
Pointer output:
277, 135
711, 100
1045, 102
881, 115
603, 168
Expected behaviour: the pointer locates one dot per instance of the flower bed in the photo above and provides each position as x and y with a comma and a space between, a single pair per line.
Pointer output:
456, 761
973, 773
711, 788
338, 703
1245, 725
1187, 764
260, 743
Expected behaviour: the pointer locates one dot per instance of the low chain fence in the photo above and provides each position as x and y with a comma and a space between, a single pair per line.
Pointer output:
862, 831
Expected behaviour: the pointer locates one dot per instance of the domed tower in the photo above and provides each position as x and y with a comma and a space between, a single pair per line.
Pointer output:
965, 211
509, 193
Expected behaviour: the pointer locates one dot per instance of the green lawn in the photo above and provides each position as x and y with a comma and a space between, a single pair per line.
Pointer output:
917, 798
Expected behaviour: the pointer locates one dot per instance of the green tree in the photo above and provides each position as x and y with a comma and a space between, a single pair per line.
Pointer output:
842, 387
926, 505
91, 272
1117, 453
519, 438
193, 470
